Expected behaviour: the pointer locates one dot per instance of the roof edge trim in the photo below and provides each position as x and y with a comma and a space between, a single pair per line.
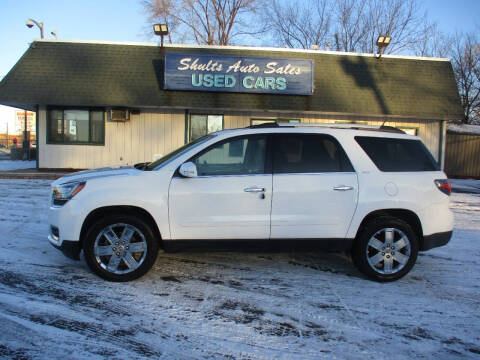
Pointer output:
248, 48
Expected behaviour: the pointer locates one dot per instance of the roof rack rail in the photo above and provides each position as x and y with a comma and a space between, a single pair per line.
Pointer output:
352, 126
267, 125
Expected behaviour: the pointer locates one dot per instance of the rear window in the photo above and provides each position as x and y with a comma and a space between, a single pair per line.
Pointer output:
395, 155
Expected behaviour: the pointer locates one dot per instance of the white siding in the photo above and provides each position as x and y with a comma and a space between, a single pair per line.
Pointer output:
157, 132
152, 132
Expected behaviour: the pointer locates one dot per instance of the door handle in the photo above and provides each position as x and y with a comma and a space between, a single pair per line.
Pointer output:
343, 188
254, 189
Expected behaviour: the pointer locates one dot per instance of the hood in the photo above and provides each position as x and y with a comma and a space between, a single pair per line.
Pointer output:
97, 173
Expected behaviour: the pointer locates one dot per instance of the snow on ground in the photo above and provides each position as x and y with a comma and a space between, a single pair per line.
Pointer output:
301, 305
16, 164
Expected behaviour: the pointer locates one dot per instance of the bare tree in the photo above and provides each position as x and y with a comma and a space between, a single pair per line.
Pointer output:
432, 42
351, 25
210, 22
159, 11
465, 59
300, 25
403, 20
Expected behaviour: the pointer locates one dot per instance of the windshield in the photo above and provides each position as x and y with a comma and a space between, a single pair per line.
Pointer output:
167, 158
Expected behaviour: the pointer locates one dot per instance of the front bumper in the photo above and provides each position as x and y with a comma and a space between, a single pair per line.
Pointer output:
435, 240
70, 249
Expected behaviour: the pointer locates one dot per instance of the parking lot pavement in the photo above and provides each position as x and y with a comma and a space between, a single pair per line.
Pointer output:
301, 305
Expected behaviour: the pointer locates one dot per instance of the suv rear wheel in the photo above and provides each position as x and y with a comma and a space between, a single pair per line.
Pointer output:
386, 249
120, 248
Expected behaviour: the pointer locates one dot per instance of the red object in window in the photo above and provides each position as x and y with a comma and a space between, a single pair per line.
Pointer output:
14, 141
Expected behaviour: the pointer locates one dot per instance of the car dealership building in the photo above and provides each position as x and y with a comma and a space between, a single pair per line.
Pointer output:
104, 103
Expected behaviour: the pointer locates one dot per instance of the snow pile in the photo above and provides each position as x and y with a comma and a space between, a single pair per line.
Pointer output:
300, 305
6, 165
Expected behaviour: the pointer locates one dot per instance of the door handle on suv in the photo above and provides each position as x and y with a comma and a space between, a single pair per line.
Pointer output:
343, 188
254, 189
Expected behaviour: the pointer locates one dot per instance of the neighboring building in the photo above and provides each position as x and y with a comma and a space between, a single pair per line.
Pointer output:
171, 95
462, 157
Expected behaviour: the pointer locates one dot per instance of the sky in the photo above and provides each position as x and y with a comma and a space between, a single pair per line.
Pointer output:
124, 20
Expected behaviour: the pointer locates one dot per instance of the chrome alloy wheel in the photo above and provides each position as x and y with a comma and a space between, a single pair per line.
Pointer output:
120, 248
388, 251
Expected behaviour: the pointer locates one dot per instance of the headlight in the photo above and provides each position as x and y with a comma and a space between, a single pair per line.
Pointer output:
62, 193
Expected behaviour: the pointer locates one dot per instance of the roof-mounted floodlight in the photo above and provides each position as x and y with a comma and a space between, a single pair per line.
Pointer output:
161, 30
382, 42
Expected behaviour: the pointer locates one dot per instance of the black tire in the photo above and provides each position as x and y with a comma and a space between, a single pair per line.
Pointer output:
362, 251
142, 234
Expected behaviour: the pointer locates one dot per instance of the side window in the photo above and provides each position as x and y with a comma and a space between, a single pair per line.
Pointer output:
237, 156
309, 154
397, 155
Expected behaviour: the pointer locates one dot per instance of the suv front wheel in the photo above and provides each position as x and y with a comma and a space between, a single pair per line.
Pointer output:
386, 249
120, 247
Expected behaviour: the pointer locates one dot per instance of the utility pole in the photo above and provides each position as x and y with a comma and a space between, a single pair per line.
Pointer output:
26, 141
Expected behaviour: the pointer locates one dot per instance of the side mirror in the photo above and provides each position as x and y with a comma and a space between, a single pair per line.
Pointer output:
188, 169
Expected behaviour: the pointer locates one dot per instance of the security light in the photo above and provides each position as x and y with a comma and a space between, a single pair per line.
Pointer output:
161, 30
382, 42
29, 23
54, 33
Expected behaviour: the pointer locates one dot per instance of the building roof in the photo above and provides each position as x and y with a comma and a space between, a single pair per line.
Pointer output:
80, 73
463, 129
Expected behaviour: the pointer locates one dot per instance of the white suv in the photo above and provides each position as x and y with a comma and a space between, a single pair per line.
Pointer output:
375, 192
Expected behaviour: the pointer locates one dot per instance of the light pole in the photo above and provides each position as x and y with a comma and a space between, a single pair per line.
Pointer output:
31, 22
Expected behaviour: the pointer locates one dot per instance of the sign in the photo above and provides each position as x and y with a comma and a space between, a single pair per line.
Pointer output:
242, 74
20, 121
73, 127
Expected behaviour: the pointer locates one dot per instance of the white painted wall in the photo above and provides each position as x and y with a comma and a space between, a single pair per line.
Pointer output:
140, 139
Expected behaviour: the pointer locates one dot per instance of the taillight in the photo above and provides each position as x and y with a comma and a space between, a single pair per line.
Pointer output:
444, 186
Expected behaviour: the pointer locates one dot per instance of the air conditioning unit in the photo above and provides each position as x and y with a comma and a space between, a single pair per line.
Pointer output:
121, 115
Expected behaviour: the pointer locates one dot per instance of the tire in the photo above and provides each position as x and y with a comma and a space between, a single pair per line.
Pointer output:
376, 259
120, 247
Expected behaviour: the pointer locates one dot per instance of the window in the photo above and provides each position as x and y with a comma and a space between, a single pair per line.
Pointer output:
392, 155
237, 156
309, 154
75, 126
201, 125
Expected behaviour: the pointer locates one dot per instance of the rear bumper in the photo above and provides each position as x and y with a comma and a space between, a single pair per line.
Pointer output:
435, 240
70, 249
